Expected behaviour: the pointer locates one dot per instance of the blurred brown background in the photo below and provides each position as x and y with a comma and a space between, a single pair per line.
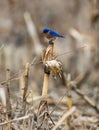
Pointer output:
77, 20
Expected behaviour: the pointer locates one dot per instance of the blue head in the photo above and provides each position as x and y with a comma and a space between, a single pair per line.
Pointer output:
46, 30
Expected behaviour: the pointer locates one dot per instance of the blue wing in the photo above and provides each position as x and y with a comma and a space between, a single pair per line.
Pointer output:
53, 33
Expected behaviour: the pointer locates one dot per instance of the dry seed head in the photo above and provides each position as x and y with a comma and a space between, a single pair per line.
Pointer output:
55, 67
50, 61
47, 54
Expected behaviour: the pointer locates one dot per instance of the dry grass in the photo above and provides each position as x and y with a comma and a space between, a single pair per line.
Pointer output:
28, 116
55, 88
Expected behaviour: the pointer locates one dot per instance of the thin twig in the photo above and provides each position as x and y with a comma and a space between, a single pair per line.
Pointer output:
17, 119
11, 79
71, 51
58, 103
65, 115
86, 98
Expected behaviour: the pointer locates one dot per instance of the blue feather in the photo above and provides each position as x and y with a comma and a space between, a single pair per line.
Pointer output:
52, 32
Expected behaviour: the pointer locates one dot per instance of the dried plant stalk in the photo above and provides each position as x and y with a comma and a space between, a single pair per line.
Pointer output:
26, 81
53, 67
69, 99
47, 55
64, 117
67, 82
87, 99
22, 85
33, 33
45, 86
3, 97
8, 90
69, 102
26, 85
8, 99
43, 107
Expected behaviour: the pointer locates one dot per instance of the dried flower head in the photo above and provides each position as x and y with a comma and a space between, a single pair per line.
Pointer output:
55, 67
47, 54
52, 65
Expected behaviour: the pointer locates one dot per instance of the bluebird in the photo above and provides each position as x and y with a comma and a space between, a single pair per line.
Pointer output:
51, 34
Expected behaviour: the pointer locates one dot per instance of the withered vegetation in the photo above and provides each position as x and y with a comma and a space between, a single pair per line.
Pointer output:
49, 85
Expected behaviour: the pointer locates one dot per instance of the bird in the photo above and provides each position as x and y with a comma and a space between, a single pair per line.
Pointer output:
51, 34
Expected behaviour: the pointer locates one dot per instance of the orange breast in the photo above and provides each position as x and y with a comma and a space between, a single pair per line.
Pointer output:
49, 36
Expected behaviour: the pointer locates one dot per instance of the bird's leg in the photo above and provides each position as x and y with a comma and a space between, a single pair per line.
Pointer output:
50, 41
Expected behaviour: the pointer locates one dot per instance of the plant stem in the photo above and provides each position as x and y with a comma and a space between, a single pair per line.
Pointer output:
45, 85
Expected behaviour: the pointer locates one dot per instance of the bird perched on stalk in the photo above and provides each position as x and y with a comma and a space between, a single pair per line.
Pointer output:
51, 34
